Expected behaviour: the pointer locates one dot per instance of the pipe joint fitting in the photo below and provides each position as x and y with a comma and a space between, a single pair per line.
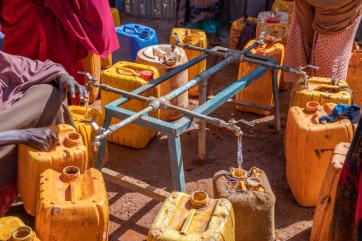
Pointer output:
164, 102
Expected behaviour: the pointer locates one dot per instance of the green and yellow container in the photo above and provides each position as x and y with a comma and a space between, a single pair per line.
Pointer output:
193, 217
322, 90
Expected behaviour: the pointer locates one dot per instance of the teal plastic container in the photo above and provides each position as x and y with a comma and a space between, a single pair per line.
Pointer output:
132, 38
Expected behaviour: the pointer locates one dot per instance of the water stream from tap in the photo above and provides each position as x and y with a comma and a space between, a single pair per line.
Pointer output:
240, 152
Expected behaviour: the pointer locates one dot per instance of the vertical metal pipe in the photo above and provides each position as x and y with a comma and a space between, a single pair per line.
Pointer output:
176, 162
202, 124
276, 99
103, 146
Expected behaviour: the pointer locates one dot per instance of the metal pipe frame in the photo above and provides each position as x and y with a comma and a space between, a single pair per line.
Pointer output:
175, 129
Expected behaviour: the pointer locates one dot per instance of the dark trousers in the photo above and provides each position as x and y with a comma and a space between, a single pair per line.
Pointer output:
40, 106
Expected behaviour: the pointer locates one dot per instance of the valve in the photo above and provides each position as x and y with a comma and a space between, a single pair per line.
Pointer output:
91, 78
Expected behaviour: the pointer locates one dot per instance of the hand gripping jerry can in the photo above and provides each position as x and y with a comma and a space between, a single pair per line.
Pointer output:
195, 217
253, 206
324, 211
132, 38
196, 38
31, 162
355, 73
322, 90
72, 206
261, 91
308, 149
83, 117
92, 64
130, 76
284, 6
149, 56
274, 24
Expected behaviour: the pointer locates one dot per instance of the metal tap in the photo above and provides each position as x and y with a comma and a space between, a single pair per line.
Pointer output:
301, 71
91, 78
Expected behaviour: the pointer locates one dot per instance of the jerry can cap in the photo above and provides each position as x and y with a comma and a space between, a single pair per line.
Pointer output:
146, 75
23, 233
312, 106
199, 199
144, 34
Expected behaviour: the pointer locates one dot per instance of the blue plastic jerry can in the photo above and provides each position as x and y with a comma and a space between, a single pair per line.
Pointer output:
132, 38
2, 36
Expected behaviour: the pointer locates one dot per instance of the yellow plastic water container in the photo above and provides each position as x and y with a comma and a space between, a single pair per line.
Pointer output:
31, 163
193, 217
322, 90
323, 213
149, 56
308, 149
235, 30
261, 91
130, 76
197, 38
355, 73
72, 206
8, 226
82, 117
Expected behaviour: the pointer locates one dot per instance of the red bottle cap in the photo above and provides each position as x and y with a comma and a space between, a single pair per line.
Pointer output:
272, 20
146, 75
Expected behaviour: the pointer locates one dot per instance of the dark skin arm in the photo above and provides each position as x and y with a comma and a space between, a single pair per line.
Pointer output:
39, 138
44, 138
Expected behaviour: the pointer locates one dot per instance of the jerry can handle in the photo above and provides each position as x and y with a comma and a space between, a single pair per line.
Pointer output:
129, 70
325, 86
73, 195
187, 223
130, 28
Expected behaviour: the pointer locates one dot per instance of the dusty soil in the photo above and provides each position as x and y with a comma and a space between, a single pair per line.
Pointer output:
131, 214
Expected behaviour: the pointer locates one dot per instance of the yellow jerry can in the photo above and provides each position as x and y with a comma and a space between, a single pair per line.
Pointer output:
83, 117
130, 76
355, 73
116, 17
8, 226
31, 162
92, 64
284, 6
196, 38
23, 233
72, 206
260, 92
322, 90
308, 149
235, 30
324, 211
152, 56
193, 217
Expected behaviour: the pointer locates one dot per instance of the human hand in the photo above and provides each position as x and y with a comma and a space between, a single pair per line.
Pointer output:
66, 81
42, 139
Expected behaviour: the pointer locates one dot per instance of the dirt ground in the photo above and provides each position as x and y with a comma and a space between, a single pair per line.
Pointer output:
131, 214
